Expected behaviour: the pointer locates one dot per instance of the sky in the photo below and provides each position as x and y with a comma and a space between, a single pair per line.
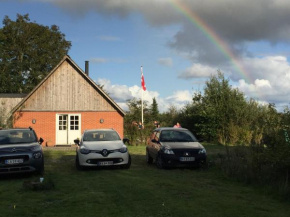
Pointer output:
179, 43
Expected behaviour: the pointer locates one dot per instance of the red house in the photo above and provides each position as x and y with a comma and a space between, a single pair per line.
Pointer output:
64, 104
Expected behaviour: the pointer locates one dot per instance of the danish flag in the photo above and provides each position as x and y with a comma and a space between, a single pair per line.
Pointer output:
142, 80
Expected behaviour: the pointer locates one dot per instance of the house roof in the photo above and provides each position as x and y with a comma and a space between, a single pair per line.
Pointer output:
83, 74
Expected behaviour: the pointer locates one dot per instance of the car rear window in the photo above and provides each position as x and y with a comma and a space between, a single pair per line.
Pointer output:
17, 137
101, 136
177, 136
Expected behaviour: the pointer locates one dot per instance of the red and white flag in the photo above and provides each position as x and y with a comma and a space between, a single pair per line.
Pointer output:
142, 80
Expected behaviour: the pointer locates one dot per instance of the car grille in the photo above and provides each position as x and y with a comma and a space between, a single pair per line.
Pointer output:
115, 160
185, 152
14, 169
15, 150
25, 157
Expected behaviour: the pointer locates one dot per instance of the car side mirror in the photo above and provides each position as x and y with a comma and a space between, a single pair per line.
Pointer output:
41, 140
77, 141
125, 140
200, 140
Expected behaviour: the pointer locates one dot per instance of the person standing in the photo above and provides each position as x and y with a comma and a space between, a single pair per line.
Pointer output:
177, 125
140, 126
156, 124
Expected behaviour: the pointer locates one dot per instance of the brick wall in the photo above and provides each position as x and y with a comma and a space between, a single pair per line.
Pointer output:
45, 125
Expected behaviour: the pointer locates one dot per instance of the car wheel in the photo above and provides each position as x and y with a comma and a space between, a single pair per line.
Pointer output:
159, 162
127, 166
149, 159
78, 166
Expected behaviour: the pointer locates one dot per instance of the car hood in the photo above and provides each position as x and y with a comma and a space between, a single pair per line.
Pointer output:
20, 147
100, 145
182, 145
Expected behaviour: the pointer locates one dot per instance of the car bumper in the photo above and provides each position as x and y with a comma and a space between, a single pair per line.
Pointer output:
176, 161
30, 164
95, 159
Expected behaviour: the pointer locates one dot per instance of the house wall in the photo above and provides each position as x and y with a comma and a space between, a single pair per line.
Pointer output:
45, 125
67, 90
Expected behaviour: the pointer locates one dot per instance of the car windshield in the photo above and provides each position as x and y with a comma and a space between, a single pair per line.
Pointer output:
101, 136
177, 136
10, 137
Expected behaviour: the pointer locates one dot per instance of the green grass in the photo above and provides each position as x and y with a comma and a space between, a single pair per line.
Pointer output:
141, 191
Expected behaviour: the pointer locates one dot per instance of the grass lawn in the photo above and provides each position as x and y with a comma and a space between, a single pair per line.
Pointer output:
141, 191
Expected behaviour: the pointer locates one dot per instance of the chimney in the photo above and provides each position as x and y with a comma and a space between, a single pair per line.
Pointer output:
87, 68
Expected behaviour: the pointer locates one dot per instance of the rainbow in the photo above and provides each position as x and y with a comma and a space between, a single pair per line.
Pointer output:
213, 37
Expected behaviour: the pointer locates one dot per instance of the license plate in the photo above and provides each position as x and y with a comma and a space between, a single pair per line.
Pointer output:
14, 161
187, 159
105, 163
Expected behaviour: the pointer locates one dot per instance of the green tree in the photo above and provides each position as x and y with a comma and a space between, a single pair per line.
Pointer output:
132, 118
28, 52
222, 113
154, 110
170, 117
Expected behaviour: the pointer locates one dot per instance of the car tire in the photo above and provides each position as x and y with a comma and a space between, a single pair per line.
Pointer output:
149, 159
159, 162
128, 165
78, 166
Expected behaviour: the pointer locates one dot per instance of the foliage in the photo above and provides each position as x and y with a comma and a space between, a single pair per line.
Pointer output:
28, 52
223, 114
2, 112
170, 117
5, 122
132, 119
154, 112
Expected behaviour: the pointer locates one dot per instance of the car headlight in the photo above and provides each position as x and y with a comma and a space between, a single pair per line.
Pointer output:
37, 155
123, 149
202, 151
168, 151
84, 150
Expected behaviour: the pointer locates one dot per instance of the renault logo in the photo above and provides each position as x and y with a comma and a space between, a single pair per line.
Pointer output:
186, 153
13, 150
105, 152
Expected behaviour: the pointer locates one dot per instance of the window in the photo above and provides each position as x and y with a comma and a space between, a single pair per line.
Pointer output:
62, 122
74, 122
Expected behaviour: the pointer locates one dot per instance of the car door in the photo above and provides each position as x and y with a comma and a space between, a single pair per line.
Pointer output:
150, 144
156, 144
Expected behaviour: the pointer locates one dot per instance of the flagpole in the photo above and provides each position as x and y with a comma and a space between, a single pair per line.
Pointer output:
142, 98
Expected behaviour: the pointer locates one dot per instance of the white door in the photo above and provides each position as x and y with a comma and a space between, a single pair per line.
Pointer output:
61, 129
74, 131
68, 128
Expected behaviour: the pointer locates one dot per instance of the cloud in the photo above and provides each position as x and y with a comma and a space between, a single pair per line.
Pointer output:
270, 79
165, 61
233, 22
226, 30
180, 96
198, 71
109, 38
122, 93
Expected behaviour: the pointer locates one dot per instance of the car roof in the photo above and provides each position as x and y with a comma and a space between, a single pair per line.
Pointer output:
15, 129
171, 128
104, 129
